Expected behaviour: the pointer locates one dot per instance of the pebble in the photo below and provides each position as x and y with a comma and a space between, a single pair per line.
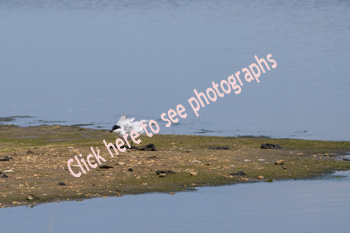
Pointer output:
270, 146
171, 193
244, 179
279, 162
7, 171
61, 183
193, 173
186, 151
219, 148
240, 173
121, 163
105, 166
261, 160
162, 174
260, 177
195, 161
32, 197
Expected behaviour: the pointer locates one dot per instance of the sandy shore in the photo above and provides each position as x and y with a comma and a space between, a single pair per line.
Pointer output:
37, 172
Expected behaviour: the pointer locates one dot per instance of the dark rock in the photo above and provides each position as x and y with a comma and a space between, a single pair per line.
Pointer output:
4, 176
105, 166
270, 146
165, 171
151, 157
240, 173
346, 159
219, 148
123, 146
29, 152
148, 147
130, 170
61, 183
5, 159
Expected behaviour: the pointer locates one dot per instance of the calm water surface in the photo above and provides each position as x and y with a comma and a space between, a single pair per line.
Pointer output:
312, 206
84, 62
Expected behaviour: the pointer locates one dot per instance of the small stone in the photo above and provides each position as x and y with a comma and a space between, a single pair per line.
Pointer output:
105, 166
165, 171
162, 174
186, 151
219, 148
144, 183
171, 193
240, 173
195, 161
269, 180
261, 160
246, 160
260, 177
284, 167
279, 162
121, 163
244, 179
193, 173
61, 183
32, 197
29, 152
4, 176
130, 170
7, 171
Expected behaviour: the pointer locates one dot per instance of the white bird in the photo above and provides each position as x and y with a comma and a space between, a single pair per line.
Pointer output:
125, 125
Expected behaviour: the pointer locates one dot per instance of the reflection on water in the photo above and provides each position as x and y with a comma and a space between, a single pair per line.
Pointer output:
320, 205
83, 62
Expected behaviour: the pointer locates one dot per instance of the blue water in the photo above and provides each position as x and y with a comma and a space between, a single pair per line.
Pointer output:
312, 206
84, 62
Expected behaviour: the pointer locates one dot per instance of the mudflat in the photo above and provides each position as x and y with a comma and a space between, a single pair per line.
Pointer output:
33, 163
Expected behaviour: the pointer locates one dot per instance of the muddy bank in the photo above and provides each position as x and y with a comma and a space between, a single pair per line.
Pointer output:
35, 169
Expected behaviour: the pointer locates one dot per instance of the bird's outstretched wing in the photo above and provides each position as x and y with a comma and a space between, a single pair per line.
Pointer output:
124, 119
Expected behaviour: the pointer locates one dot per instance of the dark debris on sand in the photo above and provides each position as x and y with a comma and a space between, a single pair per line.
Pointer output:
219, 148
240, 173
165, 171
270, 146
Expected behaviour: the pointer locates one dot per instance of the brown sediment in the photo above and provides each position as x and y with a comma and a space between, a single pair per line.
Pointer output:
39, 158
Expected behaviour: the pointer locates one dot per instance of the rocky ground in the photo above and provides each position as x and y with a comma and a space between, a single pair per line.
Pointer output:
33, 163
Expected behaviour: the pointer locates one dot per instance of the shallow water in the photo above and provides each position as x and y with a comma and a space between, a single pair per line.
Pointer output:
83, 62
320, 205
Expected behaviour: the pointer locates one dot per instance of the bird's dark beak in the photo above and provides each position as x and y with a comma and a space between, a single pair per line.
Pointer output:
111, 131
